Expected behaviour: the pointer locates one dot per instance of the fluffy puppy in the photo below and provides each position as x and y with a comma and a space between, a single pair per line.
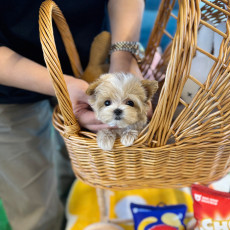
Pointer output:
120, 100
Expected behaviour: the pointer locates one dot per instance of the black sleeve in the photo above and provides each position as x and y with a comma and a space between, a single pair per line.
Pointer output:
3, 41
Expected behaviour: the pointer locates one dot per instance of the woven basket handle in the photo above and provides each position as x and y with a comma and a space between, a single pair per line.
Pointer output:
49, 10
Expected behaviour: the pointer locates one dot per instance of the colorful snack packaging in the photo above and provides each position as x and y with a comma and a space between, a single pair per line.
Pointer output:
211, 208
148, 217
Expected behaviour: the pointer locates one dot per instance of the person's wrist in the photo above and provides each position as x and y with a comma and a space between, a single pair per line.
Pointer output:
126, 56
122, 61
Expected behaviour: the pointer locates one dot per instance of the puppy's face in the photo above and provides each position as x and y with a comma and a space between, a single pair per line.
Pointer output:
120, 99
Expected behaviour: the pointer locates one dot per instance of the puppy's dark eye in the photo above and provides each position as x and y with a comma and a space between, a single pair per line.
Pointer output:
107, 103
130, 103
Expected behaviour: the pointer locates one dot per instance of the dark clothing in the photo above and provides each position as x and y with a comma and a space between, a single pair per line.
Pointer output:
19, 31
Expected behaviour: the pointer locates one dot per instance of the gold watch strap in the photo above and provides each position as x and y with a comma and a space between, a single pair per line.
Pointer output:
124, 46
135, 48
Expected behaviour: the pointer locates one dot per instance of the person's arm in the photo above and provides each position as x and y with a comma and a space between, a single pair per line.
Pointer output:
20, 72
125, 21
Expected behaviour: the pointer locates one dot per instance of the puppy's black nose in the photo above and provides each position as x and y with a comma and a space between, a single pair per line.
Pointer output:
117, 112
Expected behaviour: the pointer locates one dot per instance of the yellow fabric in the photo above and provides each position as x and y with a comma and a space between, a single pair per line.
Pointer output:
82, 208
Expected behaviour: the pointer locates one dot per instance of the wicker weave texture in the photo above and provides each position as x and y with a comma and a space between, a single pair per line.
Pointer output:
195, 147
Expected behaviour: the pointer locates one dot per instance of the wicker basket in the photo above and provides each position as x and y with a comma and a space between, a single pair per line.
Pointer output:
199, 148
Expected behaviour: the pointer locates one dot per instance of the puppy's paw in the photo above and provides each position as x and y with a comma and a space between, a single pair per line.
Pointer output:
128, 137
106, 139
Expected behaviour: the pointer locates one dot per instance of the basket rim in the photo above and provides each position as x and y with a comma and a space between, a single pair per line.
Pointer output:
82, 137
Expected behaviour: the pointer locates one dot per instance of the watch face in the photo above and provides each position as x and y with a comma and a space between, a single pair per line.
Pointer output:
140, 53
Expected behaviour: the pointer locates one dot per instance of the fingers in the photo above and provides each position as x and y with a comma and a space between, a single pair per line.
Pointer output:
87, 119
88, 116
96, 128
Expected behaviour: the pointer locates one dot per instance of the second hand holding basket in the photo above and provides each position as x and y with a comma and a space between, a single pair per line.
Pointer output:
199, 151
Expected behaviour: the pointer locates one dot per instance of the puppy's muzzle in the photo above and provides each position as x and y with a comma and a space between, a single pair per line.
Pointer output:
117, 113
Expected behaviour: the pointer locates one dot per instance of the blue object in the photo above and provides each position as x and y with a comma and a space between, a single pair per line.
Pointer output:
149, 17
148, 217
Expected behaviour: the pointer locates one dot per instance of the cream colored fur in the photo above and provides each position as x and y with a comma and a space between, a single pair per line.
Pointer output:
121, 101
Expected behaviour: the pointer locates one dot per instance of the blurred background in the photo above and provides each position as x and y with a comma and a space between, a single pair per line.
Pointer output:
150, 14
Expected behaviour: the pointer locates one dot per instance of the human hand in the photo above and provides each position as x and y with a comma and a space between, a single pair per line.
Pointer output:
153, 72
81, 109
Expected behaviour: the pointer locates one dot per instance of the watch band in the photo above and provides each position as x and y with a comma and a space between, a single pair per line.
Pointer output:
135, 48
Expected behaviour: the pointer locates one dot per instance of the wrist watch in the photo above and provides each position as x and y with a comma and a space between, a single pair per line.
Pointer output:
135, 48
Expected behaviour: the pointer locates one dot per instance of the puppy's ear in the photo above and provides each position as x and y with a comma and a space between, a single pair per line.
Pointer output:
150, 87
91, 89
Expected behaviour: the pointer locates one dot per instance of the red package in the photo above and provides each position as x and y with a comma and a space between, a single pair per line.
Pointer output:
211, 208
